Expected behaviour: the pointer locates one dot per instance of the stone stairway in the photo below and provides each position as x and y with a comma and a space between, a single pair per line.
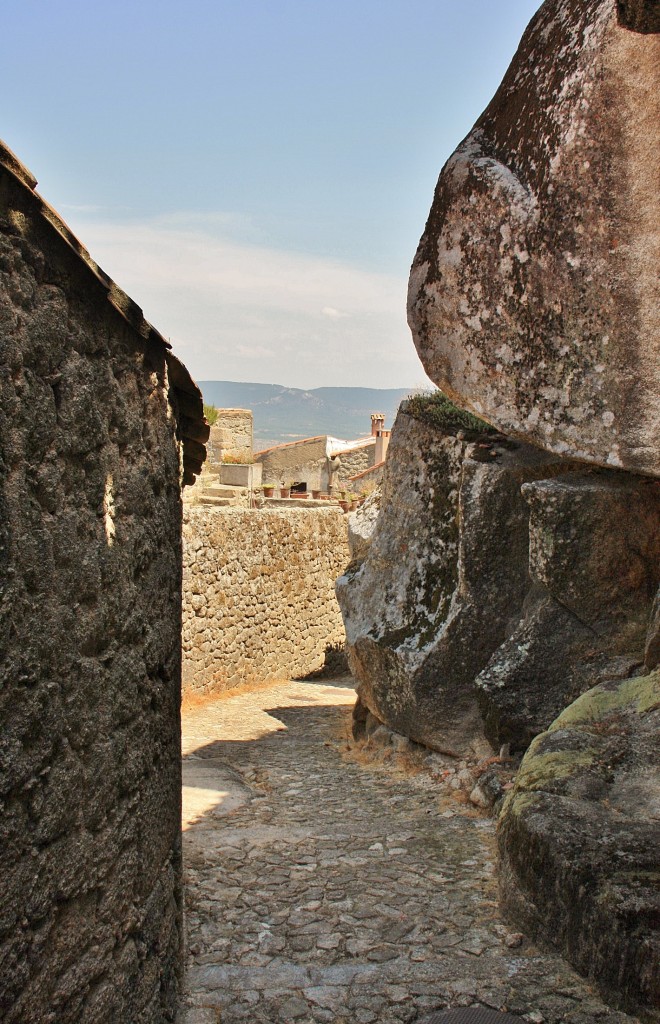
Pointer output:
212, 492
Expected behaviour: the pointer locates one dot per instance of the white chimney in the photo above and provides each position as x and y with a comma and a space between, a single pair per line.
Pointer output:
382, 444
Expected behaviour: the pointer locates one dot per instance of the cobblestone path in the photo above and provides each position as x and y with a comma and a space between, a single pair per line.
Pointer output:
321, 889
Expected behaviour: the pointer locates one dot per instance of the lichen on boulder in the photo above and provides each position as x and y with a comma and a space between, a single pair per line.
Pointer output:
498, 583
443, 576
594, 561
578, 839
361, 524
533, 296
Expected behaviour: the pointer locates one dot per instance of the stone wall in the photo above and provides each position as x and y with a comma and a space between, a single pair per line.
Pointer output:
303, 461
307, 461
354, 461
90, 571
231, 435
259, 598
366, 481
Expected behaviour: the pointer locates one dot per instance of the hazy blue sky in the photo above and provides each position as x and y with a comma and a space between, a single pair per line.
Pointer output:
255, 173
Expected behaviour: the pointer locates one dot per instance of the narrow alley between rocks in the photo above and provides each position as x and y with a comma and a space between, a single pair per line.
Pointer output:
322, 885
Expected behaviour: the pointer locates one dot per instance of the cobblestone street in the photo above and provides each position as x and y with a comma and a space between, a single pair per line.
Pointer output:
320, 888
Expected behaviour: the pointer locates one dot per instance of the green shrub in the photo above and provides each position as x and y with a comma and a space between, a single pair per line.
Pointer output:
435, 408
211, 414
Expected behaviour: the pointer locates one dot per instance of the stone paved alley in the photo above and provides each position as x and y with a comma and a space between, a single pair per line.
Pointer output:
321, 888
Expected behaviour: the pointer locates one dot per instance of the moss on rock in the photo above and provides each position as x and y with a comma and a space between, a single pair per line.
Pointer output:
578, 839
438, 411
639, 694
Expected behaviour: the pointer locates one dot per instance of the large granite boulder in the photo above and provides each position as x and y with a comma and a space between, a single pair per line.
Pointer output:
497, 584
444, 577
534, 295
579, 835
652, 652
361, 524
594, 565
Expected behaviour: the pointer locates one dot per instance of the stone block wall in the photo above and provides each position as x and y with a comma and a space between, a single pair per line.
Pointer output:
354, 461
303, 461
368, 479
231, 435
259, 599
308, 461
90, 571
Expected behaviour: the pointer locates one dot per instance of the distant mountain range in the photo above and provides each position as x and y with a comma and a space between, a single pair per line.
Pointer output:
287, 414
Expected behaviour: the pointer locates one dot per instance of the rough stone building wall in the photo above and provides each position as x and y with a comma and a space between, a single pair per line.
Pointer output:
301, 461
354, 461
89, 635
231, 435
368, 479
307, 461
259, 599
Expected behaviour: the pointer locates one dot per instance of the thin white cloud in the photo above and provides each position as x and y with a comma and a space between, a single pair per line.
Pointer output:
82, 208
235, 311
254, 351
334, 314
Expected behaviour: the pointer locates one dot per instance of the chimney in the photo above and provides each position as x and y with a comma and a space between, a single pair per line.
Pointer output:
377, 423
382, 444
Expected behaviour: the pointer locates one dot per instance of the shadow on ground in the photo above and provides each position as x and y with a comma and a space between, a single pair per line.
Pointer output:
318, 889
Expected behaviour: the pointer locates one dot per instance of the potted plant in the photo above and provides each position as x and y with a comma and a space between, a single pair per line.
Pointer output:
285, 489
268, 490
316, 494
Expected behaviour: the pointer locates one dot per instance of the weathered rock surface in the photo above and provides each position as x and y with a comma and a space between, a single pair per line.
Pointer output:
534, 296
594, 563
652, 652
498, 585
579, 839
361, 524
444, 575
90, 607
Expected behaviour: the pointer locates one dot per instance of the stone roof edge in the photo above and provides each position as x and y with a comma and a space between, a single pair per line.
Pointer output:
290, 444
230, 409
366, 443
192, 428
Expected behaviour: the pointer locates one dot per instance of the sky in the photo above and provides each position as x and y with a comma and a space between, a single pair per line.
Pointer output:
256, 174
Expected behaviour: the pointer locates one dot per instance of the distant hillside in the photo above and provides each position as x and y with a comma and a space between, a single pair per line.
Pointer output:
287, 414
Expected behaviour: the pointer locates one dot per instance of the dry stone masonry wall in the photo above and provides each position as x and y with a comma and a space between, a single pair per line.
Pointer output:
291, 463
231, 436
354, 461
90, 574
259, 598
307, 461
